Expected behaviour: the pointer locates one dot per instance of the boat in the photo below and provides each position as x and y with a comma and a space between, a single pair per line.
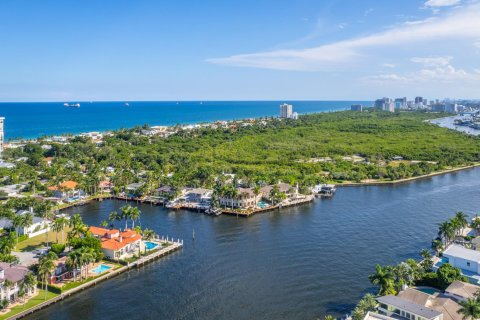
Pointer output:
127, 104
213, 211
72, 105
324, 190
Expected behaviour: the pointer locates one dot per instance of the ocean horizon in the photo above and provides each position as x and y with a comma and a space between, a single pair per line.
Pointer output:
28, 120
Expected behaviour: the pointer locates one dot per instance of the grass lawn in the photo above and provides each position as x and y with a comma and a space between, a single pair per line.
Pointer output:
40, 241
39, 298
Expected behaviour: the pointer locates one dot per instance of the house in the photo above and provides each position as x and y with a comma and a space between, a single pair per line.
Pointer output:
15, 274
461, 291
38, 226
199, 195
414, 304
395, 306
61, 272
132, 189
165, 192
105, 186
117, 244
67, 191
13, 190
48, 161
245, 198
463, 258
285, 188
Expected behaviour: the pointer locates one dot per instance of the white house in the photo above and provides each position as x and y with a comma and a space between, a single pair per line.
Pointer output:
38, 226
15, 274
463, 258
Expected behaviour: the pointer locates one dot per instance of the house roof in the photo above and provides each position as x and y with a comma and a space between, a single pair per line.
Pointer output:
200, 191
64, 185
13, 272
105, 184
102, 231
462, 289
458, 251
409, 306
113, 244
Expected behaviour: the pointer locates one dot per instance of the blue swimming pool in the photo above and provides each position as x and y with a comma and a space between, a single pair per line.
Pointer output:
150, 245
101, 269
262, 204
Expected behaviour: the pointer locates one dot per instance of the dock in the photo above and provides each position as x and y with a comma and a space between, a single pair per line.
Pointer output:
250, 212
174, 246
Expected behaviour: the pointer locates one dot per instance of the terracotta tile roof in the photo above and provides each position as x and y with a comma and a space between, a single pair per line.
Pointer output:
102, 231
113, 244
69, 184
105, 184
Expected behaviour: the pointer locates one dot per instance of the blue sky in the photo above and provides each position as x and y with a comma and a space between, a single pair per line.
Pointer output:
238, 50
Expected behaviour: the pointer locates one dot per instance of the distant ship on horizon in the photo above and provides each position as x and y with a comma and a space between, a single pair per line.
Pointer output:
71, 105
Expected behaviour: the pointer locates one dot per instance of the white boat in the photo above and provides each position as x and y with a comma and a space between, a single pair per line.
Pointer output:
324, 190
127, 104
72, 105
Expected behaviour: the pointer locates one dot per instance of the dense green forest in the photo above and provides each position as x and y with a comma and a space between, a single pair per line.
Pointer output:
272, 151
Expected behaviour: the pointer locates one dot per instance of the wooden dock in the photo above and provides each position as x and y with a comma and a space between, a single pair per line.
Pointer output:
251, 212
174, 246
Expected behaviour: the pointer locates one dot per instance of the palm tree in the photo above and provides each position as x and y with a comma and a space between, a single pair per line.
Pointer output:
427, 262
256, 192
329, 317
437, 245
461, 219
20, 222
29, 282
446, 230
86, 256
59, 225
73, 263
46, 267
114, 216
383, 278
148, 234
134, 215
125, 214
470, 309
8, 242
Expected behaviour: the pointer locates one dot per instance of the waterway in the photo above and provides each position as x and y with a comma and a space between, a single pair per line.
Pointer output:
297, 263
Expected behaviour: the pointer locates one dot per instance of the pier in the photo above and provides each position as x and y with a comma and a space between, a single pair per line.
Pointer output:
250, 212
174, 246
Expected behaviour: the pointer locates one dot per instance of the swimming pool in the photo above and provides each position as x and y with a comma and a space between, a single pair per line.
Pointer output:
101, 269
262, 204
427, 290
150, 245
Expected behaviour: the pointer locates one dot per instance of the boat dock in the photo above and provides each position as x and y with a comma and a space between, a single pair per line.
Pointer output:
250, 212
174, 246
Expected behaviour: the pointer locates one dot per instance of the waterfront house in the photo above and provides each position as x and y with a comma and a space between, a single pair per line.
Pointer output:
13, 190
165, 192
395, 306
461, 291
199, 195
105, 186
67, 191
14, 275
285, 188
117, 244
245, 198
38, 226
134, 189
414, 304
467, 260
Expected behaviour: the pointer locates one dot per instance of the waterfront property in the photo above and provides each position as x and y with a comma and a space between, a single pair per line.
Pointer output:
67, 191
467, 260
37, 227
420, 304
11, 279
244, 198
117, 244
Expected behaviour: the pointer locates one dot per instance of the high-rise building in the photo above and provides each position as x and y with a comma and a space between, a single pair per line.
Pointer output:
2, 137
286, 111
401, 103
356, 107
385, 104
418, 100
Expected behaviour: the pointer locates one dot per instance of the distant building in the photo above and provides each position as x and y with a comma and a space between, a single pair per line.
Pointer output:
15, 275
401, 103
286, 111
385, 104
356, 107
2, 136
418, 100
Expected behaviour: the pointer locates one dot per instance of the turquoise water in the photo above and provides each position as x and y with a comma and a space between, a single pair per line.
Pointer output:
427, 290
150, 245
262, 204
101, 269
29, 120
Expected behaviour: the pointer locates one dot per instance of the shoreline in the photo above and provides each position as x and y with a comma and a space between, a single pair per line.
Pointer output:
407, 180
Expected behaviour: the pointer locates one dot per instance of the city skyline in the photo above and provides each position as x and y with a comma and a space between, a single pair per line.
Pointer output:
334, 50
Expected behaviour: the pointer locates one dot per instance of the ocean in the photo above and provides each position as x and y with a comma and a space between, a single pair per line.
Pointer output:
35, 119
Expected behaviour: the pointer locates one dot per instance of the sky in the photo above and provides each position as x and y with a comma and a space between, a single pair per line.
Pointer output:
126, 50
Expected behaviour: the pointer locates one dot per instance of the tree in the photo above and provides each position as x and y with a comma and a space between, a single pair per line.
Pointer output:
29, 282
366, 304
46, 267
74, 262
461, 219
22, 221
59, 225
446, 274
470, 309
403, 275
148, 234
446, 230
427, 262
134, 215
437, 245
384, 279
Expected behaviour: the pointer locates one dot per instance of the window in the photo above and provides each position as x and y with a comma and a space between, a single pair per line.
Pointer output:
468, 264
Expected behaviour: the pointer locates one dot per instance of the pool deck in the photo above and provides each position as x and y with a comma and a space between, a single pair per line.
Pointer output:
174, 246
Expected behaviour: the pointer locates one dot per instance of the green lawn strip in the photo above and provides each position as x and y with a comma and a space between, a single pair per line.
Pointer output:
39, 298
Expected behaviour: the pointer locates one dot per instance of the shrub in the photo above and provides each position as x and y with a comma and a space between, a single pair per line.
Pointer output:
57, 248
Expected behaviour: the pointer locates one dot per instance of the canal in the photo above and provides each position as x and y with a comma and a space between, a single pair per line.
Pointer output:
298, 263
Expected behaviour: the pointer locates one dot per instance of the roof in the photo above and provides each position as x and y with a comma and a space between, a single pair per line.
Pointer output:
65, 185
409, 306
135, 185
200, 191
13, 272
461, 252
105, 184
415, 296
102, 231
448, 307
113, 244
462, 289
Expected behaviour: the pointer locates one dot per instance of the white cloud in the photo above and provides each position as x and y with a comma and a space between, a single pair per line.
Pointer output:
441, 3
446, 73
432, 61
477, 44
462, 23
